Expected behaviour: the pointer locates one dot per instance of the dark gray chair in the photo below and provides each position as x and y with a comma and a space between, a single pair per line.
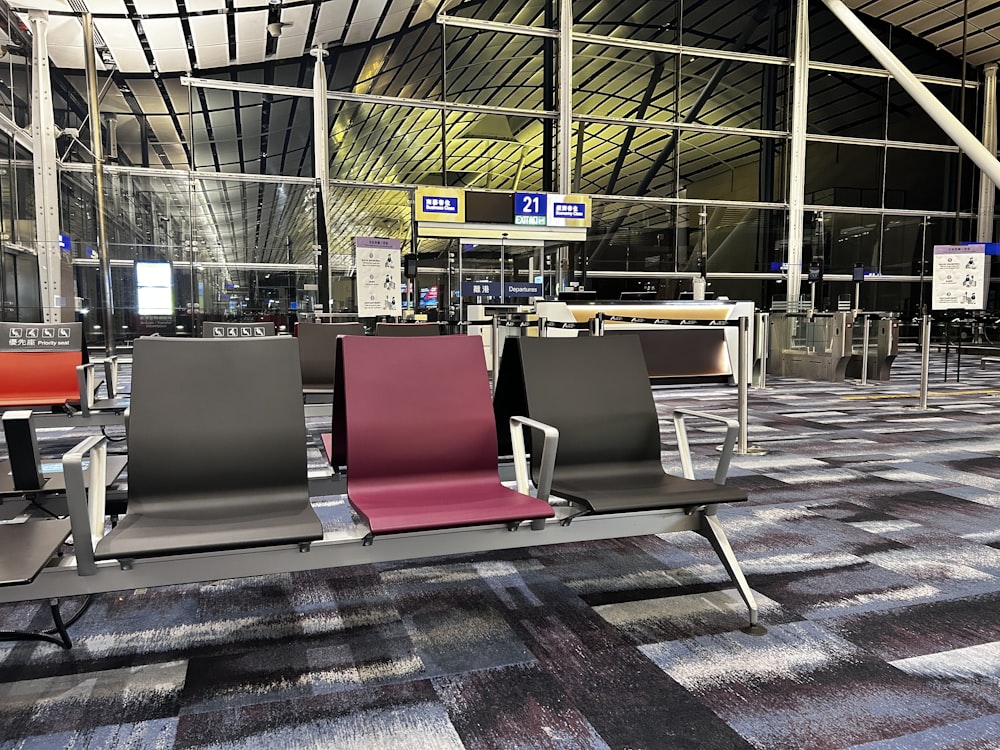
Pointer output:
595, 392
217, 449
407, 329
318, 352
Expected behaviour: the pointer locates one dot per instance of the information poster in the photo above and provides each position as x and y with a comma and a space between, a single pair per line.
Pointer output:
961, 277
377, 260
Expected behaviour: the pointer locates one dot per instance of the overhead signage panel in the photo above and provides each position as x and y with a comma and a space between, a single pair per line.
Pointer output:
568, 211
530, 209
440, 204
480, 288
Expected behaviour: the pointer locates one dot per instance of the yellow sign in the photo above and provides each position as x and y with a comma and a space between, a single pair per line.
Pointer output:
440, 204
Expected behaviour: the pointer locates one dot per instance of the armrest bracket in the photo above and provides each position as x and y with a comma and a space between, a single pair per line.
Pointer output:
684, 448
548, 460
86, 508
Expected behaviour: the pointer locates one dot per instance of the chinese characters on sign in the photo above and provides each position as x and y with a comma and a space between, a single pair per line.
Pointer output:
377, 260
961, 277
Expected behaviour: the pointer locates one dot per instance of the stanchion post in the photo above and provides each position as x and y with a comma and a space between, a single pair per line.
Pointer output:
741, 376
763, 331
864, 349
542, 330
495, 346
596, 325
925, 358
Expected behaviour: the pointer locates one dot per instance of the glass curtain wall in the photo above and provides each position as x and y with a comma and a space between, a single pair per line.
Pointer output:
680, 132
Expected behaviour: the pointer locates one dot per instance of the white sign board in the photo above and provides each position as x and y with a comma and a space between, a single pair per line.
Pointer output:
961, 277
378, 276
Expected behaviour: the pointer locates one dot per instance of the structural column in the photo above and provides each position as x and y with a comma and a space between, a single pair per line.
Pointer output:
45, 159
987, 188
797, 172
96, 146
564, 164
321, 153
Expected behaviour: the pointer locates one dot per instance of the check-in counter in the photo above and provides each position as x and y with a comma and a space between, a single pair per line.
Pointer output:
830, 346
695, 346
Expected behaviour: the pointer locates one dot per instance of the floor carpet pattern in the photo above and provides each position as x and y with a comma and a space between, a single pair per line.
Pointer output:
871, 540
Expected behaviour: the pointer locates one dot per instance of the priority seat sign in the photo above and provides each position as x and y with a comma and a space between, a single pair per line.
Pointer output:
236, 330
37, 337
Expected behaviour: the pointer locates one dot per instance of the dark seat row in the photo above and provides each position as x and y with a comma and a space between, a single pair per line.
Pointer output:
318, 347
217, 490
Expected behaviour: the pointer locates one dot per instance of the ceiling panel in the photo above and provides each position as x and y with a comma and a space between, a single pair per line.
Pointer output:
166, 40
163, 127
331, 22
394, 20
364, 21
292, 41
147, 93
211, 43
199, 6
119, 34
251, 33
110, 7
155, 7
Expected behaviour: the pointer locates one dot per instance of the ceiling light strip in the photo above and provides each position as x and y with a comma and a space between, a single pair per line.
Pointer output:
880, 73
694, 202
661, 125
496, 26
346, 96
679, 49
888, 212
912, 145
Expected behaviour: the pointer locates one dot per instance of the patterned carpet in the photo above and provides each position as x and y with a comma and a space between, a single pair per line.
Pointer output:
872, 540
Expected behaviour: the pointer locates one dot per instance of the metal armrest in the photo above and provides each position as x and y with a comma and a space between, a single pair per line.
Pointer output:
728, 444
548, 461
111, 375
86, 509
85, 381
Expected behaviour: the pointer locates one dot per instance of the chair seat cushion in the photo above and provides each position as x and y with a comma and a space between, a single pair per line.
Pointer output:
145, 536
442, 501
612, 488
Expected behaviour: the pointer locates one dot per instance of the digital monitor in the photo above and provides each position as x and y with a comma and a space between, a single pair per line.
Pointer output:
429, 296
489, 208
155, 288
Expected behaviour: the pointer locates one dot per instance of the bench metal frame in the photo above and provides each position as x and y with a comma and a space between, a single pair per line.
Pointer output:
79, 574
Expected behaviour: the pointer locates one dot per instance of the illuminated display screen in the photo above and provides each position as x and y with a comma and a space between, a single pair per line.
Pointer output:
155, 285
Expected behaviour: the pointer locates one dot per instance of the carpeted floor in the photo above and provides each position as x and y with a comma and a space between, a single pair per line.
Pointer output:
872, 540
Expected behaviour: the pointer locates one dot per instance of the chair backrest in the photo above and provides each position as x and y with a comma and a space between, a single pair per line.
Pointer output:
407, 329
216, 418
318, 350
38, 363
443, 424
594, 390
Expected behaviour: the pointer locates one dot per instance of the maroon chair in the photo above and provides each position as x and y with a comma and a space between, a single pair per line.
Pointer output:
422, 456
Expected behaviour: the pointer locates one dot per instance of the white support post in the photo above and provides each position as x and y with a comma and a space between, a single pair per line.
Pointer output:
949, 123
987, 188
565, 94
797, 173
321, 151
45, 159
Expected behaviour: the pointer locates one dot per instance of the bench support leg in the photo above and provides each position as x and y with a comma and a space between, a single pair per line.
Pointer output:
711, 529
58, 635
